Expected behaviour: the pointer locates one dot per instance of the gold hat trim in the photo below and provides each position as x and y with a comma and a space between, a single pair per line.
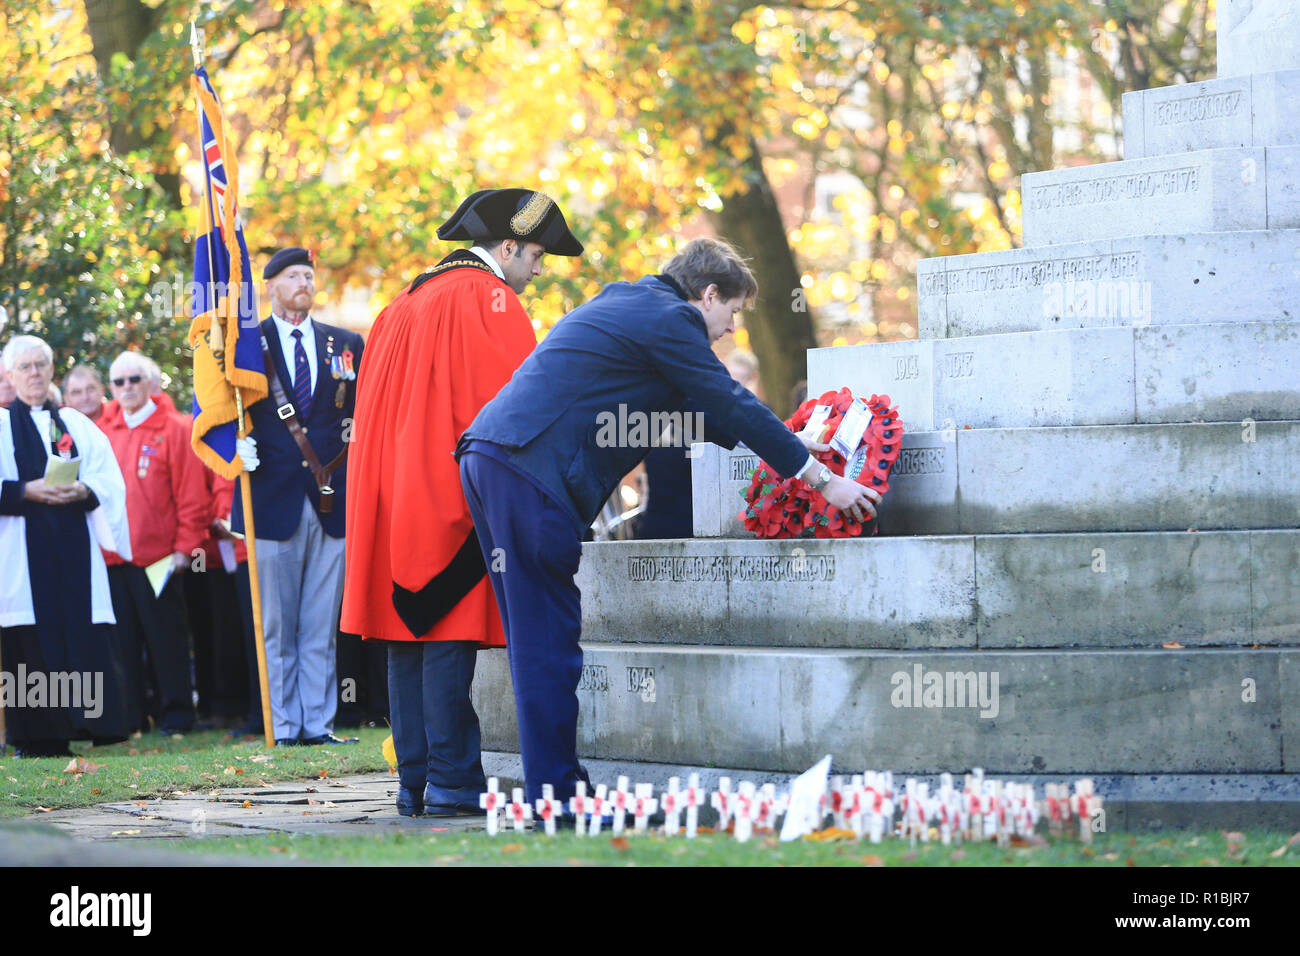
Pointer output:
525, 220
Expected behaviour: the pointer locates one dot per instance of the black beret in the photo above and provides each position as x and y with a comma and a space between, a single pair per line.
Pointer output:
521, 214
292, 256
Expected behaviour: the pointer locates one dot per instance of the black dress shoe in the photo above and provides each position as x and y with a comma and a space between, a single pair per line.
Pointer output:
328, 740
286, 741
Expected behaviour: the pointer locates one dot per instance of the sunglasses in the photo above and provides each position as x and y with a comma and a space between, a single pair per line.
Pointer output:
133, 379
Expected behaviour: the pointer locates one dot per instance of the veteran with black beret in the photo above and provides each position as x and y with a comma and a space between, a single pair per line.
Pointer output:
297, 453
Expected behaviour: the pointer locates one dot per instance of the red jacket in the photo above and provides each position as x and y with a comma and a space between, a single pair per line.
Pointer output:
167, 501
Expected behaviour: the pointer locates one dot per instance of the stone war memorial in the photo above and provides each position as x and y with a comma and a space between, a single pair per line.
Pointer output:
1089, 559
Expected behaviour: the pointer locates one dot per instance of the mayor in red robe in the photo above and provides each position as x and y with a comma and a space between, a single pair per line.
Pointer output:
416, 575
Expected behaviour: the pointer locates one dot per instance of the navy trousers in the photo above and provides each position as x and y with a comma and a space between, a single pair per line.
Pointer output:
435, 728
532, 550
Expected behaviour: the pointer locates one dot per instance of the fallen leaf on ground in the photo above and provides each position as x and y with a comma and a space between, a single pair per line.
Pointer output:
830, 834
140, 803
1279, 852
125, 833
1172, 645
957, 855
322, 773
263, 783
910, 855
1110, 856
97, 791
516, 847
81, 765
872, 860
208, 776
279, 849
181, 766
247, 804
619, 843
13, 779
44, 809
704, 830
1033, 841
1295, 838
260, 758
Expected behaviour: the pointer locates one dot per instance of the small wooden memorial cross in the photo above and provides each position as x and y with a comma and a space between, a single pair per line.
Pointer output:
745, 811
578, 806
492, 802
519, 809
643, 804
547, 805
672, 806
1085, 805
837, 804
722, 801
619, 801
597, 810
694, 796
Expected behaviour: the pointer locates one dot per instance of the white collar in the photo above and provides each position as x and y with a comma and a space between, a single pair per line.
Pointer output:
137, 417
286, 327
487, 257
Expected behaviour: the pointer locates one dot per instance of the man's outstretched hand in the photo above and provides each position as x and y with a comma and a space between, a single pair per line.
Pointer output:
857, 501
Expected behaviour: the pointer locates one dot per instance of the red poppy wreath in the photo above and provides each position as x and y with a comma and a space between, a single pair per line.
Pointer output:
778, 507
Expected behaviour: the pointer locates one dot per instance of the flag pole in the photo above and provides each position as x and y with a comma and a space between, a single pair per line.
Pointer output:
246, 488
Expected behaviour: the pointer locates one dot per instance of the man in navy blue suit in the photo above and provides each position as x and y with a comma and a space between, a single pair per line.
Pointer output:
297, 456
541, 458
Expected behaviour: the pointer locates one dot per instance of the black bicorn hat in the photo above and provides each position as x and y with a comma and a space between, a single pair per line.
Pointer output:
292, 256
522, 214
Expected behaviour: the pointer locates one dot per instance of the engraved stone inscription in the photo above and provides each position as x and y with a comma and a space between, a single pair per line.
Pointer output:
1196, 109
919, 461
595, 677
1035, 274
742, 467
959, 365
724, 567
906, 367
1112, 189
639, 678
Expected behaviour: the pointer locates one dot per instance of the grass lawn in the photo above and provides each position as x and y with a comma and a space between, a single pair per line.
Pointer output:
1184, 848
152, 766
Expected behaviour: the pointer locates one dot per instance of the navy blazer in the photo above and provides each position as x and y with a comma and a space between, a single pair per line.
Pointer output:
283, 477
638, 345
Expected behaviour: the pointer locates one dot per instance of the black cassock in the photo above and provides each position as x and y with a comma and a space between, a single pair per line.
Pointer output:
63, 640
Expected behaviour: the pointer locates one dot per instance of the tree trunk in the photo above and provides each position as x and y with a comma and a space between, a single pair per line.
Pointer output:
780, 325
122, 26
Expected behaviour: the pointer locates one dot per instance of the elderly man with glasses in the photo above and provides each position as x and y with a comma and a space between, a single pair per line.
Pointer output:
167, 504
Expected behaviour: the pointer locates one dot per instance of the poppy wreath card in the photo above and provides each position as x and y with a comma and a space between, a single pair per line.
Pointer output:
778, 507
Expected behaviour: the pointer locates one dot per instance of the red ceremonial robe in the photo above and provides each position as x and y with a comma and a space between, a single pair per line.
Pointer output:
437, 354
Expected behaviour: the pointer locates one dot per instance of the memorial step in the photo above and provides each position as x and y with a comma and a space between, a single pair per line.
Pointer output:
1045, 711
1121, 376
1168, 477
1208, 190
1251, 110
961, 591
1133, 802
1208, 277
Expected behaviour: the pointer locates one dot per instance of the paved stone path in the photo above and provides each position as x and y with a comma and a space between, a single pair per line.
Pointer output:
318, 807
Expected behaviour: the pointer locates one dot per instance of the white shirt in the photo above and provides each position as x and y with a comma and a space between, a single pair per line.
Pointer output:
140, 415
487, 257
287, 343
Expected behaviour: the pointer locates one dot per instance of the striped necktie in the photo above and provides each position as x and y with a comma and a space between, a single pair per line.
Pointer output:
301, 374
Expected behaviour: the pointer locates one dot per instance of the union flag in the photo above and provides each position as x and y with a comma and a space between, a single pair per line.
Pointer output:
224, 328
